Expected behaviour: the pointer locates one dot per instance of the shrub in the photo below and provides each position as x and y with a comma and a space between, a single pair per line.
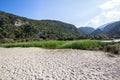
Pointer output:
113, 48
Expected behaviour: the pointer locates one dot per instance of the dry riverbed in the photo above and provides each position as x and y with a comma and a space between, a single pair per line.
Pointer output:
57, 64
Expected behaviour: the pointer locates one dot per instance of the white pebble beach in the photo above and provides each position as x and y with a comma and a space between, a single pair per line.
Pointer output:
57, 64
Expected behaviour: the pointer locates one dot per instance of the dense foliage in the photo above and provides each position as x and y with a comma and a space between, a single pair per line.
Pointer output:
20, 29
23, 29
113, 48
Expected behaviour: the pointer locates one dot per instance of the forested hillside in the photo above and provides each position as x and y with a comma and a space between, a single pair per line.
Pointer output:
16, 28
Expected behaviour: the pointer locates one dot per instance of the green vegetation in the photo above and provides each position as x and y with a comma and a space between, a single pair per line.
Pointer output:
16, 31
42, 44
78, 44
20, 29
113, 48
83, 44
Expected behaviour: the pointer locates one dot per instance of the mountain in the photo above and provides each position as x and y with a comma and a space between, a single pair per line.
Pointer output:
18, 28
97, 31
86, 30
111, 29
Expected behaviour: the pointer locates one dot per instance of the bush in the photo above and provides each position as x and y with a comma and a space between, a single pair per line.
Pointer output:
113, 48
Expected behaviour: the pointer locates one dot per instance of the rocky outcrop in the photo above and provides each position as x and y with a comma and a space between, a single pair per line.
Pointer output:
19, 22
4, 40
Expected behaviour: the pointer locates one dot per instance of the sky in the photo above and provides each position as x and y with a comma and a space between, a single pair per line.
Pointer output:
93, 13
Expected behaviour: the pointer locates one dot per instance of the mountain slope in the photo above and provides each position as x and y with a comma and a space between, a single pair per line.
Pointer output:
21, 28
97, 31
86, 30
111, 29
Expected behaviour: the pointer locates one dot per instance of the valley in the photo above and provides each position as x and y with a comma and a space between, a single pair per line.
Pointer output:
60, 40
14, 28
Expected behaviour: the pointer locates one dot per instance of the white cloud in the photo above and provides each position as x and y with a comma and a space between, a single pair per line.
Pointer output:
110, 11
112, 15
110, 4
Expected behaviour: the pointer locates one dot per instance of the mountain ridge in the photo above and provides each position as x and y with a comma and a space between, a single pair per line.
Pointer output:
17, 28
111, 29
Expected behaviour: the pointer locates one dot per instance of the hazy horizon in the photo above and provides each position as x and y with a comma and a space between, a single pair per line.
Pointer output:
80, 13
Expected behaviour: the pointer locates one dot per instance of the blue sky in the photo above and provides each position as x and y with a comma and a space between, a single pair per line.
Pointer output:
92, 13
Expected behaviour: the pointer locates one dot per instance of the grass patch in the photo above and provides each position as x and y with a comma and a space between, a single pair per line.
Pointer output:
78, 44
111, 48
83, 44
43, 44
